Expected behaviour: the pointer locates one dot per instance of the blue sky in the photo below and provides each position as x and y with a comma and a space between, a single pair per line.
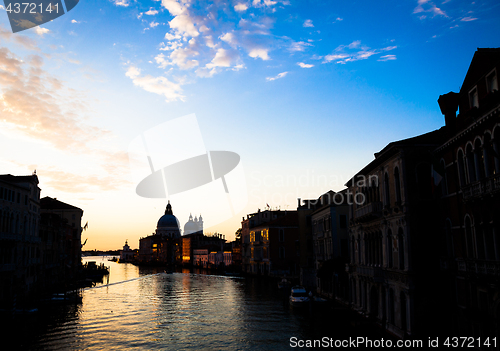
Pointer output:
302, 91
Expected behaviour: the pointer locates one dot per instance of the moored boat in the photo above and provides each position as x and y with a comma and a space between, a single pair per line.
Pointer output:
298, 296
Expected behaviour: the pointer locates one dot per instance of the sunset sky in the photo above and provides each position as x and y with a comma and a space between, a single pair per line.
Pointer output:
304, 91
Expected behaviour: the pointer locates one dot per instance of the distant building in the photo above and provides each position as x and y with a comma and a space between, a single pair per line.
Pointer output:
161, 247
193, 226
252, 220
274, 245
330, 242
191, 243
72, 216
306, 260
127, 255
200, 258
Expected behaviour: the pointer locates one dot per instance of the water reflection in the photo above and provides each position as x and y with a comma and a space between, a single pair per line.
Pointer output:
147, 309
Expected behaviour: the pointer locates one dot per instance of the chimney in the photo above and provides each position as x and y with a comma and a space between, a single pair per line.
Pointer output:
449, 106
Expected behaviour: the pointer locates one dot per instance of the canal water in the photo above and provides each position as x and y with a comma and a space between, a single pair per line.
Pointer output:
144, 309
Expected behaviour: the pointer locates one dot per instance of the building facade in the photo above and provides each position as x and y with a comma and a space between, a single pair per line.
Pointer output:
330, 242
252, 220
393, 214
274, 246
20, 243
469, 199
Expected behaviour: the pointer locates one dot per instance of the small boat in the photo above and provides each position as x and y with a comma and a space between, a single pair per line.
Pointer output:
298, 296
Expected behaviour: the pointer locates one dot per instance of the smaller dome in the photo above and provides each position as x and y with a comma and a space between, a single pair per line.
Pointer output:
190, 227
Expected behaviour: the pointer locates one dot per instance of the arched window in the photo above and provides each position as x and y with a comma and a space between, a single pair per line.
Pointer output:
469, 240
478, 159
389, 249
401, 249
489, 162
461, 168
397, 183
471, 167
480, 243
387, 194
488, 238
447, 240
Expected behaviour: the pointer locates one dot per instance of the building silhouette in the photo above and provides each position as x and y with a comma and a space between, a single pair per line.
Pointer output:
468, 197
161, 247
40, 242
19, 237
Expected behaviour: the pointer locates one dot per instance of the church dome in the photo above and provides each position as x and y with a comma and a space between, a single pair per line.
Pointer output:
168, 221
190, 227
168, 224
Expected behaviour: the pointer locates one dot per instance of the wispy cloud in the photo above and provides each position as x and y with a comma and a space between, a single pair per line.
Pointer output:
240, 7
308, 23
37, 106
304, 65
18, 39
41, 31
124, 3
354, 51
157, 85
298, 46
387, 58
468, 19
151, 12
427, 6
202, 42
75, 183
279, 76
31, 103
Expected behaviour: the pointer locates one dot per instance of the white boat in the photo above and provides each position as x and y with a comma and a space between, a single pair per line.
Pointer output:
298, 296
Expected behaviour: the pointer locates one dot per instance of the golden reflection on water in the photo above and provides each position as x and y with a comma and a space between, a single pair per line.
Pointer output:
148, 309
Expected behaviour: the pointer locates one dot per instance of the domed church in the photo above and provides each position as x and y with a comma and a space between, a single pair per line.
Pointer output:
168, 225
193, 226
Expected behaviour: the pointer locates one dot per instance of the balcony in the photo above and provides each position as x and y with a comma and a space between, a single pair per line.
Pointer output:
479, 267
481, 188
376, 273
369, 211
